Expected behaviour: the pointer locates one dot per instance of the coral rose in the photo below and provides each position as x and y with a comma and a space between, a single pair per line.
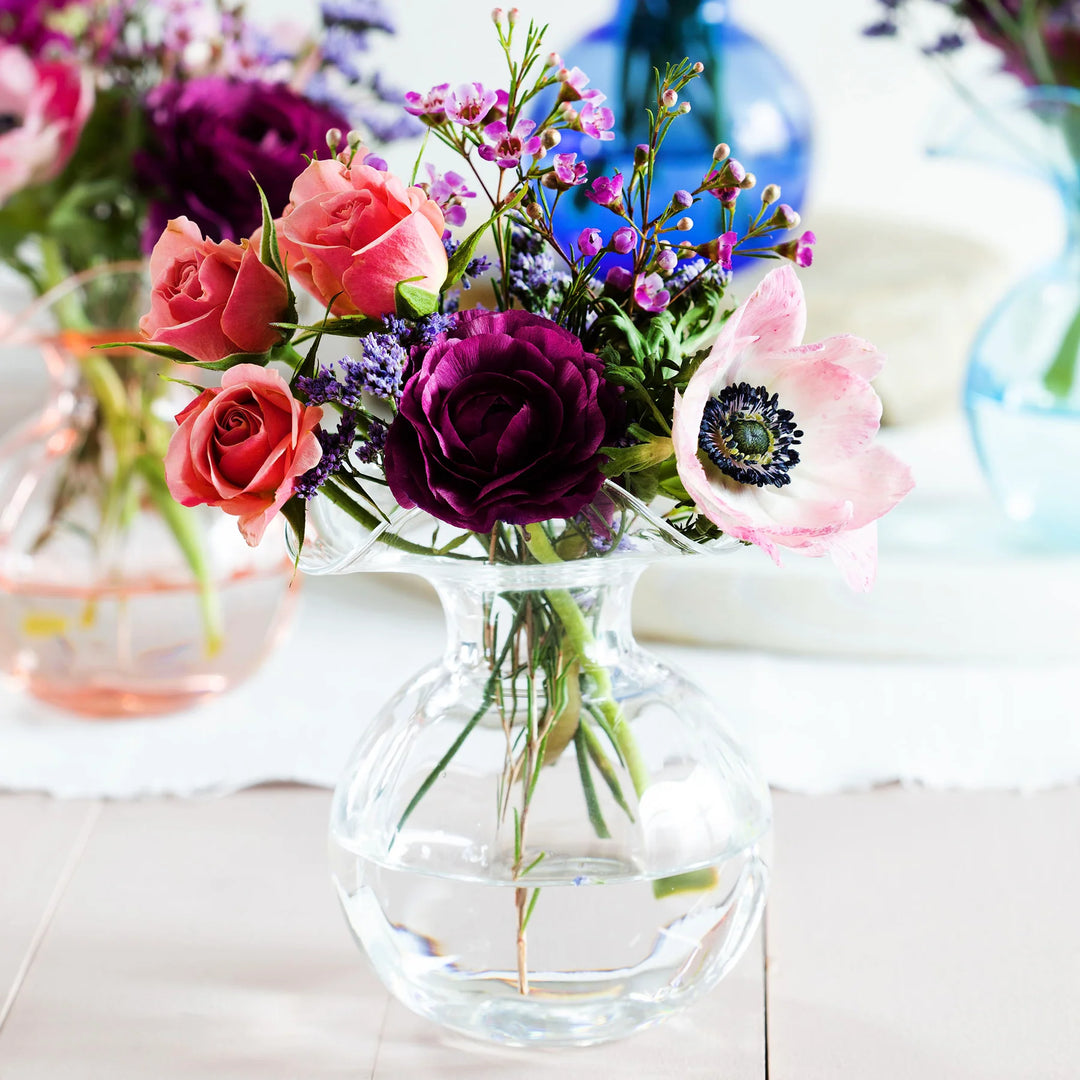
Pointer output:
241, 446
774, 439
359, 232
211, 300
503, 421
43, 107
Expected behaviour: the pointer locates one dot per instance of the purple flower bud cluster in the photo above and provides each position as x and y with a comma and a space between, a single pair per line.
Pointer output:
532, 275
335, 450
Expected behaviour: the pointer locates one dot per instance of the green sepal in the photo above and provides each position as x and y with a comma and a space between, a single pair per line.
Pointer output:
638, 458
412, 302
270, 253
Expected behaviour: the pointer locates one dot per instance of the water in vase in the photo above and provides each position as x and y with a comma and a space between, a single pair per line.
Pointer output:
609, 949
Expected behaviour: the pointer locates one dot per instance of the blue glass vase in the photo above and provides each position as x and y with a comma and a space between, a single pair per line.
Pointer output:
1022, 393
746, 98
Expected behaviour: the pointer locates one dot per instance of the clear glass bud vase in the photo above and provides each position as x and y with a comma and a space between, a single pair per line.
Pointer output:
114, 600
1022, 392
548, 836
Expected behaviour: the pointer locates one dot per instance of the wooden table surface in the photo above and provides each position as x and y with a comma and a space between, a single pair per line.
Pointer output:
909, 935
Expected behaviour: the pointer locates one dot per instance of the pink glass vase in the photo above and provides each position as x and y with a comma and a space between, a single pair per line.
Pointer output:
114, 601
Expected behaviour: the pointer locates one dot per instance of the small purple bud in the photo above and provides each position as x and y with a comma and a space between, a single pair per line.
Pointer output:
667, 260
590, 242
624, 240
619, 278
682, 198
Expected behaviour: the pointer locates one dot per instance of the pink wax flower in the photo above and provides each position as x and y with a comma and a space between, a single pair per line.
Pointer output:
590, 242
569, 171
211, 300
649, 292
720, 249
607, 191
799, 251
596, 121
619, 279
431, 105
573, 86
470, 103
356, 233
507, 146
624, 240
241, 446
774, 439
43, 107
447, 190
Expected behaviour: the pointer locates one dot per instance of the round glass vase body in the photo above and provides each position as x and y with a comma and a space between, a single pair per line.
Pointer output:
114, 600
1022, 391
746, 97
548, 837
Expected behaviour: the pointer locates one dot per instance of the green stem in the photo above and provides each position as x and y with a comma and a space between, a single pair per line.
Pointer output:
583, 642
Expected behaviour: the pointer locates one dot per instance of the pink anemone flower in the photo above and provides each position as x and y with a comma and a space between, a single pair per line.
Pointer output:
774, 440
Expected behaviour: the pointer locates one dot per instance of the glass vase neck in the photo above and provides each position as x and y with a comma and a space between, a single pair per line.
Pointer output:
482, 616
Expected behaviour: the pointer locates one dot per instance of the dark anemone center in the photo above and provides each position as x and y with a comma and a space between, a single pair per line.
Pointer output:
9, 122
748, 437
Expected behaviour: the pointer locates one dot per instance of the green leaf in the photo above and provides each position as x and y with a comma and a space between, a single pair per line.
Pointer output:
170, 352
414, 302
467, 248
295, 513
592, 804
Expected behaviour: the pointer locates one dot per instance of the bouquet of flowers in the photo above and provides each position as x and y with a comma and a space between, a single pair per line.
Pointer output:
116, 117
589, 401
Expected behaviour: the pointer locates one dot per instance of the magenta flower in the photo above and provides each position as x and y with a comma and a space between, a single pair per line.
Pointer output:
624, 240
432, 104
607, 191
774, 439
569, 171
43, 107
799, 251
725, 244
469, 104
502, 419
509, 145
597, 121
590, 242
650, 294
619, 279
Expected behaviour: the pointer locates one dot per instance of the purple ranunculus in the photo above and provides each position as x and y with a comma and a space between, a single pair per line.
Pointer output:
502, 420
27, 23
211, 135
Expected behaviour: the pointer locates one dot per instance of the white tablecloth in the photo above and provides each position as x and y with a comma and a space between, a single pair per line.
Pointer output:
815, 724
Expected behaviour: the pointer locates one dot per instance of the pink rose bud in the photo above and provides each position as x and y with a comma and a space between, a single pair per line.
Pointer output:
624, 240
358, 232
241, 446
211, 300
